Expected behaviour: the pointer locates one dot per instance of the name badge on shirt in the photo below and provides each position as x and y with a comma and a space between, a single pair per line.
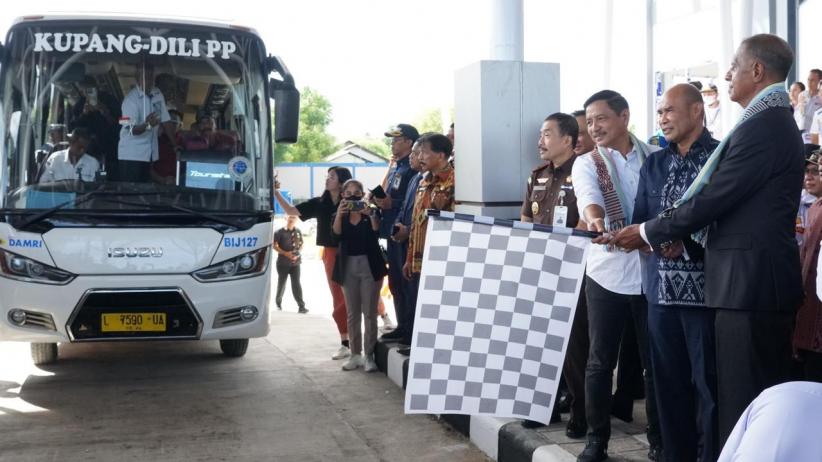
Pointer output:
397, 180
540, 188
560, 216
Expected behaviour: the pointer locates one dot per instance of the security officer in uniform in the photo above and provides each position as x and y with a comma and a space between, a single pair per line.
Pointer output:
550, 200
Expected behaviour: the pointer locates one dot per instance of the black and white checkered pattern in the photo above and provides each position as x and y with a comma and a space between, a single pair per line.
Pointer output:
494, 313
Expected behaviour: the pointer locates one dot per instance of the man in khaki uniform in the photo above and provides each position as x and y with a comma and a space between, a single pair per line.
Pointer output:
550, 200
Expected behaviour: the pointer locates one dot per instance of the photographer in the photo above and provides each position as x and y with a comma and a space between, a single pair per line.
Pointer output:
360, 268
322, 208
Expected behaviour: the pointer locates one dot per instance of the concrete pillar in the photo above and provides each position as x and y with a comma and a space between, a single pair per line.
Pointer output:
507, 34
498, 109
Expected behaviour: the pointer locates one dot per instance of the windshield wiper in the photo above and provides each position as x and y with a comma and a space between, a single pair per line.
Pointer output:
49, 212
186, 210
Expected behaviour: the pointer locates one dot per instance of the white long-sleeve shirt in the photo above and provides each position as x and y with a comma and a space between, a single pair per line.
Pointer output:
136, 107
615, 270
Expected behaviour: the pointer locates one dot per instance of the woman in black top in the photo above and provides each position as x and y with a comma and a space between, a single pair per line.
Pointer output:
323, 208
360, 269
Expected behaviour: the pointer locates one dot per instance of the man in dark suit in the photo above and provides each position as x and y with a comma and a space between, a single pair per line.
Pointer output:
752, 273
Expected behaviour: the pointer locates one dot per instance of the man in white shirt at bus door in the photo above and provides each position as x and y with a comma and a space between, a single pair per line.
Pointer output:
143, 112
72, 163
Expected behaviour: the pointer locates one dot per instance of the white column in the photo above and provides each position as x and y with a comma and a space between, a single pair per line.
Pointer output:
507, 35
650, 81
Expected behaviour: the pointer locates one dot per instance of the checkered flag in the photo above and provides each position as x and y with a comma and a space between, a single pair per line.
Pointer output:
494, 314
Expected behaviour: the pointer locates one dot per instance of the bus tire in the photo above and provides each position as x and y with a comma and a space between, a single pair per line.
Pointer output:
43, 353
234, 348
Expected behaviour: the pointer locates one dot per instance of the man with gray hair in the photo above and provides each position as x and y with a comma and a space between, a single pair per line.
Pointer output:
742, 209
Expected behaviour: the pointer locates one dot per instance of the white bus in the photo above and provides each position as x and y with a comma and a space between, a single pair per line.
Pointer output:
133, 211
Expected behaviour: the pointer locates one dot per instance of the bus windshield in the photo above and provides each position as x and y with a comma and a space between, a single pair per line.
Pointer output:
153, 116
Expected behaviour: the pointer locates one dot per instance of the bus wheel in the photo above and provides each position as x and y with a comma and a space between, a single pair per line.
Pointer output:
234, 347
43, 353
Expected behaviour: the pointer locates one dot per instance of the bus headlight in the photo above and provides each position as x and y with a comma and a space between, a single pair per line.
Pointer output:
242, 266
21, 268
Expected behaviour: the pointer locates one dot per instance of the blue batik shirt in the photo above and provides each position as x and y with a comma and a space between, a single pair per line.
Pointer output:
407, 210
662, 180
398, 178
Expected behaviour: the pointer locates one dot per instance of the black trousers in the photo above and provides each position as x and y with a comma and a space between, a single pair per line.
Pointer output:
608, 312
630, 381
753, 352
812, 366
683, 362
283, 272
396, 258
576, 358
133, 171
410, 290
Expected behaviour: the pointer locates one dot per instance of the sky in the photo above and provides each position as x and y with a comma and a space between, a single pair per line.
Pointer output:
382, 62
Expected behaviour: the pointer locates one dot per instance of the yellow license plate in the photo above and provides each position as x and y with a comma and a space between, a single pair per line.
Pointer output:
133, 322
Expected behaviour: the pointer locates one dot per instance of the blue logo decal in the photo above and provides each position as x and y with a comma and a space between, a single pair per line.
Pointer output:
243, 242
26, 243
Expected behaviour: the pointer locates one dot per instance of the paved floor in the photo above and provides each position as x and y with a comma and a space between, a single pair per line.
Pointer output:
628, 441
183, 401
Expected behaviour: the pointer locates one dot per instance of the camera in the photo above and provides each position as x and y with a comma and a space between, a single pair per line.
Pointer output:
356, 206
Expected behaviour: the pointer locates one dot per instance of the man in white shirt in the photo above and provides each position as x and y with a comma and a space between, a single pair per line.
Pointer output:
143, 112
613, 278
72, 163
713, 113
809, 103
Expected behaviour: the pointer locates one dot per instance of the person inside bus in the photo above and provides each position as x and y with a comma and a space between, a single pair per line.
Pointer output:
97, 112
201, 134
164, 171
72, 163
144, 110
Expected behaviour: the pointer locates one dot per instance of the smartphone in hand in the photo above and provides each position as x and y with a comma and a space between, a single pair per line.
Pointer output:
378, 192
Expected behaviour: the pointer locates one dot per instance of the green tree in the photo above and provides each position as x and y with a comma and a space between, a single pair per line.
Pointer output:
314, 141
381, 146
429, 121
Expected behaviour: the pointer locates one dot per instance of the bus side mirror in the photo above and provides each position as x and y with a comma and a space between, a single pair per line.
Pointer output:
286, 111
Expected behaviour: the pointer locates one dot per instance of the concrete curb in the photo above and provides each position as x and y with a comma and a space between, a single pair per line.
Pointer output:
503, 440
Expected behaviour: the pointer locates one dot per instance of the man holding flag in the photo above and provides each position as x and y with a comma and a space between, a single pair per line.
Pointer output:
742, 209
606, 181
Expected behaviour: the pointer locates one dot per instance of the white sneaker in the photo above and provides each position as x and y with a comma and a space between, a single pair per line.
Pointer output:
387, 323
370, 364
342, 353
354, 362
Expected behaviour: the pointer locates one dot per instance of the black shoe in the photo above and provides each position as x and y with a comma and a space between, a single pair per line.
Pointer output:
576, 429
563, 403
623, 410
405, 340
302, 310
655, 453
279, 307
555, 417
594, 451
532, 424
393, 336
404, 351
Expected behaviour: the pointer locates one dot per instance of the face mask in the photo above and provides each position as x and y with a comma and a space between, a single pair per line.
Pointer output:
355, 197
